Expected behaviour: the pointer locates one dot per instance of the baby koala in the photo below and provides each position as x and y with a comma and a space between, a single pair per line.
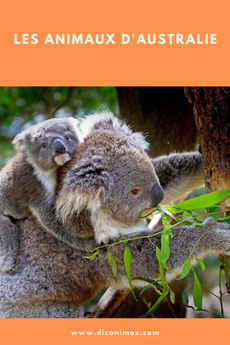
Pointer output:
28, 181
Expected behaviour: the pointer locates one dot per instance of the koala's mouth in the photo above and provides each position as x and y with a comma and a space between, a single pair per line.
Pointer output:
62, 158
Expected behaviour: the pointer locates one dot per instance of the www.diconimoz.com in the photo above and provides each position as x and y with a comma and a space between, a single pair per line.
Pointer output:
102, 332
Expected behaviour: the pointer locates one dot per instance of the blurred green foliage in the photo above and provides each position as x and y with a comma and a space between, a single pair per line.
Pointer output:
25, 104
6, 151
21, 107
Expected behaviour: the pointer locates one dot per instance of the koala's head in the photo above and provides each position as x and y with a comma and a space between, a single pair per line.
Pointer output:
50, 143
111, 178
106, 120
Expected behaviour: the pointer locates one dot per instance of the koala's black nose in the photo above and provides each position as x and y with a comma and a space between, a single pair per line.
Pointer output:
157, 194
58, 146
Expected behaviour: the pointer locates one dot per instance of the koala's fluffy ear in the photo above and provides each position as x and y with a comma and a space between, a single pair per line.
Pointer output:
106, 120
19, 141
83, 188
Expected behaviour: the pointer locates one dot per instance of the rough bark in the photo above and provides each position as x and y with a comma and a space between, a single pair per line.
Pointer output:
211, 106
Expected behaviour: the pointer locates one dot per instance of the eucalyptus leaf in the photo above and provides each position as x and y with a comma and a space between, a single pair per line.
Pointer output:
161, 267
197, 292
92, 257
163, 210
127, 263
201, 263
112, 263
165, 249
172, 296
158, 301
148, 280
145, 288
202, 201
186, 269
166, 226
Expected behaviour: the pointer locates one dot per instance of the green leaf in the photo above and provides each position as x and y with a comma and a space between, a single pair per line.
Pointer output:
213, 210
187, 214
185, 296
148, 280
202, 201
186, 269
127, 263
161, 268
145, 288
197, 292
163, 210
225, 219
92, 257
172, 296
165, 249
166, 226
201, 263
158, 301
112, 263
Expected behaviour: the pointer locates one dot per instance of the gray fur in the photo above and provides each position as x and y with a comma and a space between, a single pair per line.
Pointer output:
179, 173
52, 279
28, 182
107, 167
54, 274
106, 120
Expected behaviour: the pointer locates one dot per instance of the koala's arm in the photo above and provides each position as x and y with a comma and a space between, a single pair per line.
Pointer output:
144, 262
179, 173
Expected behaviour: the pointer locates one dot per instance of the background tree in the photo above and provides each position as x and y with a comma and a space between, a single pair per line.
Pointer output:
211, 107
161, 112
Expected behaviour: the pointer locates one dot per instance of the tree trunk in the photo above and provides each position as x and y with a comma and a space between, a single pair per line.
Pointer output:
211, 106
163, 113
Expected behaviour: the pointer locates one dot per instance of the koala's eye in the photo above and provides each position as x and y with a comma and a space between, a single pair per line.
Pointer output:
43, 145
136, 191
67, 137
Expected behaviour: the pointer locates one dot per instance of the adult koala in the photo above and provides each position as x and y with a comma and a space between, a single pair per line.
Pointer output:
102, 192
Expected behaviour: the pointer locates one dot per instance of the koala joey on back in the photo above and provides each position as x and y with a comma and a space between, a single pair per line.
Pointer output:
28, 181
